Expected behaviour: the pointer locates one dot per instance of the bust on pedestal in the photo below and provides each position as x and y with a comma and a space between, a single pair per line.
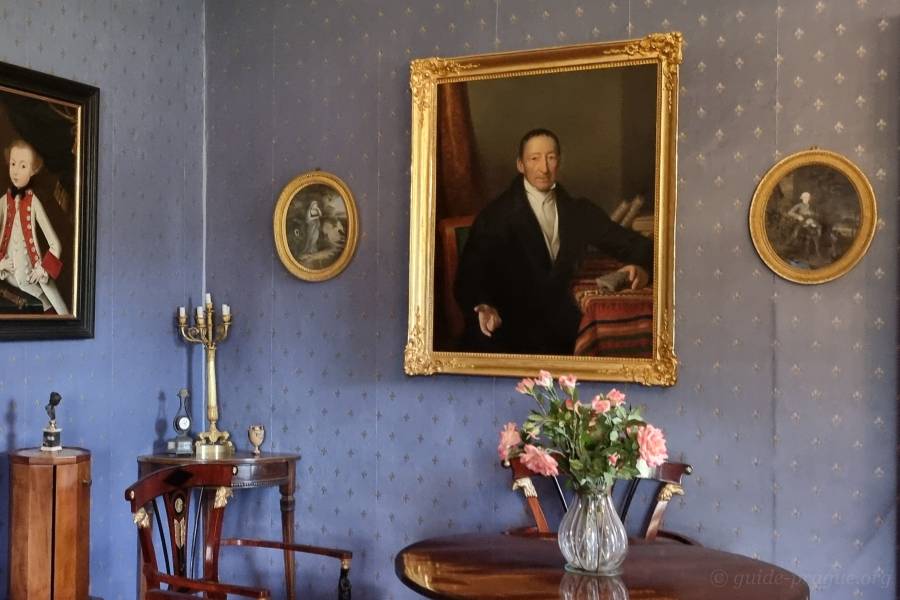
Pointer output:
52, 434
50, 507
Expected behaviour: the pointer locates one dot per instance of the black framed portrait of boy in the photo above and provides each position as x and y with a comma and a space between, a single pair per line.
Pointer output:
542, 212
48, 132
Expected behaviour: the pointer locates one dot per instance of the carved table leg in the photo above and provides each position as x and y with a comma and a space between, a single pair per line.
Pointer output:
287, 530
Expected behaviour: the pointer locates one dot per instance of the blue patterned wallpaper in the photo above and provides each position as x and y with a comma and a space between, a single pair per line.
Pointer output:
147, 59
786, 399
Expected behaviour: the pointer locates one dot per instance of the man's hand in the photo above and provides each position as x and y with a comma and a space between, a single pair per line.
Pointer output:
488, 319
637, 276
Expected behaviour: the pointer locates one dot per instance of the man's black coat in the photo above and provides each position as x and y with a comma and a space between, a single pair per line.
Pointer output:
505, 264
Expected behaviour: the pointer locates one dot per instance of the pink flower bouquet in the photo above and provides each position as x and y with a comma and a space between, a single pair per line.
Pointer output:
594, 443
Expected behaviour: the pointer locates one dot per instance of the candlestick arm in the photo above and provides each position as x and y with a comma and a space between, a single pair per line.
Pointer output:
222, 332
191, 334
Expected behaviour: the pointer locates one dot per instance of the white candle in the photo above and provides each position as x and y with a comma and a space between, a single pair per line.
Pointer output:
209, 298
181, 312
199, 312
226, 310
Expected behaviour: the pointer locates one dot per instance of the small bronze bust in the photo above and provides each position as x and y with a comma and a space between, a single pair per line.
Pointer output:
52, 433
55, 399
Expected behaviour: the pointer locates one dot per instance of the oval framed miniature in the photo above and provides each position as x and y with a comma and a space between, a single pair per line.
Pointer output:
316, 226
813, 216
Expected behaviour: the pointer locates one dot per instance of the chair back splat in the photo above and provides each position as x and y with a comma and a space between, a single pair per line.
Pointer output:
666, 482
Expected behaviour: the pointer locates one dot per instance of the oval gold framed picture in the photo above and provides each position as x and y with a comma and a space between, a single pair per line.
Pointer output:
316, 226
813, 216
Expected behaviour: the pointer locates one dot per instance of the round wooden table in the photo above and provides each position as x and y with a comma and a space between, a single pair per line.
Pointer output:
485, 566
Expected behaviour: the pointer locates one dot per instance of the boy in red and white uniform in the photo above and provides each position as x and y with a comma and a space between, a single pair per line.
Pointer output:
21, 215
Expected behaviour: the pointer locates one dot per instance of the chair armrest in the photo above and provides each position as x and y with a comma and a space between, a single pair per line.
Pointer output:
345, 556
167, 595
199, 585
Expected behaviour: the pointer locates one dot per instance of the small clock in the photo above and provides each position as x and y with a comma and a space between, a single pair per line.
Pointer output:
182, 424
183, 444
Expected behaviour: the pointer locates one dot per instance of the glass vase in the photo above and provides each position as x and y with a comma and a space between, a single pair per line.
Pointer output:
591, 535
575, 586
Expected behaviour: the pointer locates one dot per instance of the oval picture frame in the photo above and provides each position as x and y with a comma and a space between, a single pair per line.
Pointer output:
812, 217
315, 226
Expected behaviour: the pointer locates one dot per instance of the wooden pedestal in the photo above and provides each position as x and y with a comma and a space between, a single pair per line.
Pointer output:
49, 538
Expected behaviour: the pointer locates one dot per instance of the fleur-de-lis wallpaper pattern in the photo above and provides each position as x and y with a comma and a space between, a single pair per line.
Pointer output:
785, 403
118, 388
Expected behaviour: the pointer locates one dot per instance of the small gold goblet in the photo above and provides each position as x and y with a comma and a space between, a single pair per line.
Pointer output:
256, 433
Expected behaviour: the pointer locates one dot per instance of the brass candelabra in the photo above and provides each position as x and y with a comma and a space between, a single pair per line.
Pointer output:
214, 443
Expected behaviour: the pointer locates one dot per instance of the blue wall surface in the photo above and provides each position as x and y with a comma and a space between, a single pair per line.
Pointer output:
119, 388
785, 403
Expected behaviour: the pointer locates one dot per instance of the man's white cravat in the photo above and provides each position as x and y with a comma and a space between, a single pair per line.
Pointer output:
543, 204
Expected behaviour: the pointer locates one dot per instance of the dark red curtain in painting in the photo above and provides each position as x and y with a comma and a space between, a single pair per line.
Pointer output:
459, 193
459, 181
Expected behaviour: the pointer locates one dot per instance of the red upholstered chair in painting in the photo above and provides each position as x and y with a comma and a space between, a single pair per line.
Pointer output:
452, 233
665, 479
173, 487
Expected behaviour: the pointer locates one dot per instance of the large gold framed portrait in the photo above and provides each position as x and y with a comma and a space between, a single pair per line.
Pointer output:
542, 215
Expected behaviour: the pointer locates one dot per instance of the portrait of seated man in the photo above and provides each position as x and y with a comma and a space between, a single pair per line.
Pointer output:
524, 251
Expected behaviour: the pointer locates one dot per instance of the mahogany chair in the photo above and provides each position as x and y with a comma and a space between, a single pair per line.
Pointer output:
174, 486
665, 480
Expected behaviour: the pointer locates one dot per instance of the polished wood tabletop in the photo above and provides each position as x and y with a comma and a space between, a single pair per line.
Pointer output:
486, 566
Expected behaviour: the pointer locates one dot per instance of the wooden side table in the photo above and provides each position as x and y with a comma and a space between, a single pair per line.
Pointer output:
267, 469
50, 508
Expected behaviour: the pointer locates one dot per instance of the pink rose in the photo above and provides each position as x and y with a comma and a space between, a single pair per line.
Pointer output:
545, 380
600, 405
613, 458
652, 444
525, 386
539, 461
509, 437
572, 404
567, 383
616, 397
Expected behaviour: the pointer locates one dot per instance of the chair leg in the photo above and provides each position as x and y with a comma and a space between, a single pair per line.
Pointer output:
344, 584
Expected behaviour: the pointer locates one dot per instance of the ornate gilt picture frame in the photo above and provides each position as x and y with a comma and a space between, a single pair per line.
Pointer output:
813, 216
315, 226
48, 214
497, 287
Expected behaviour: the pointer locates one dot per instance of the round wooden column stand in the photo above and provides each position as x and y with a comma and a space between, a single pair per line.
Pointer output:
49, 538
